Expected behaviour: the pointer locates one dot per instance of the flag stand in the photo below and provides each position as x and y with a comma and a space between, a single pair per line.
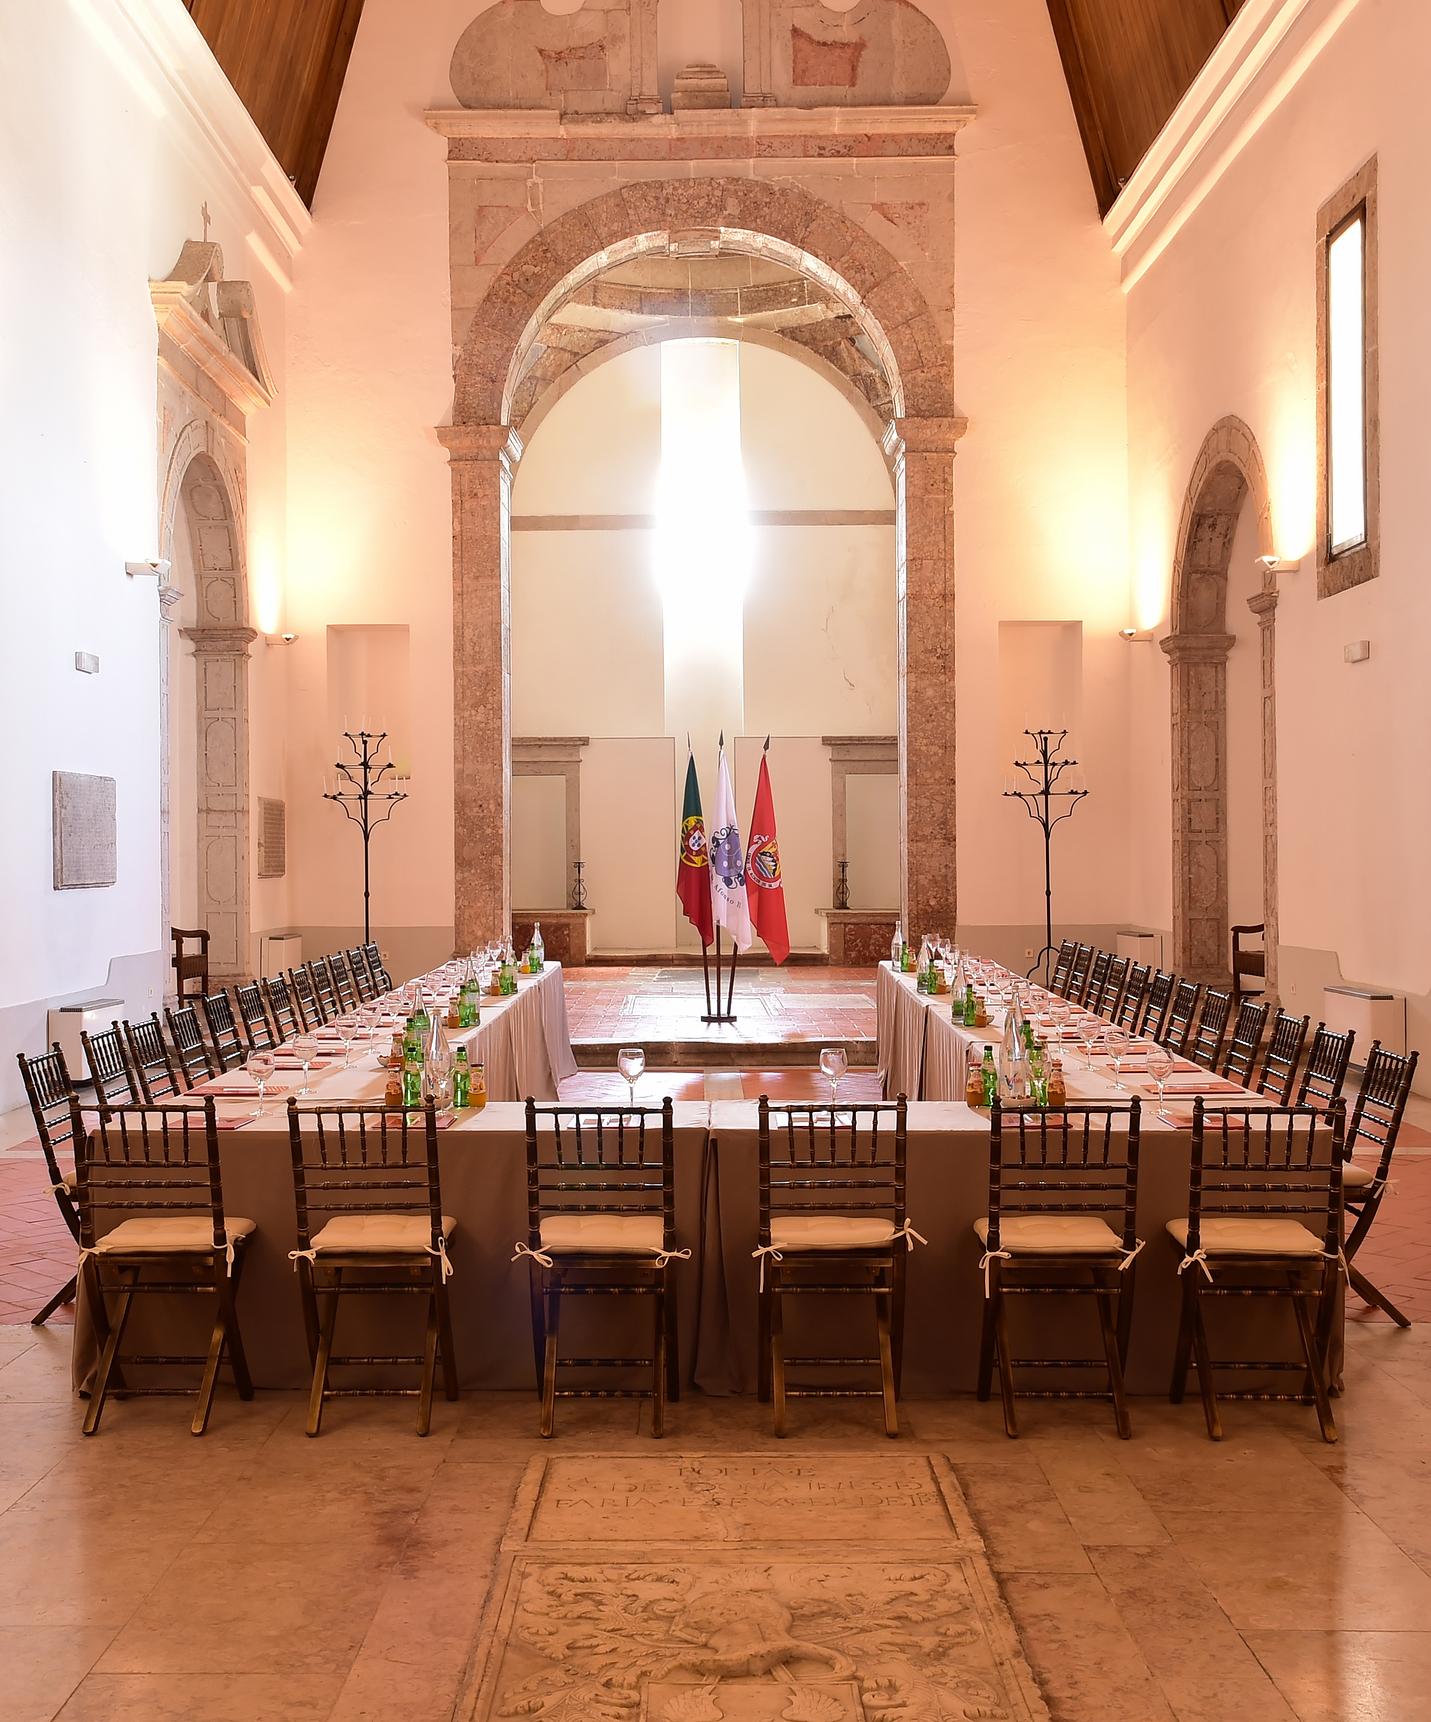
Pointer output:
719, 1015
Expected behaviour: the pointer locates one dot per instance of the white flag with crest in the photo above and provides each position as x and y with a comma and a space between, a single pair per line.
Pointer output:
727, 855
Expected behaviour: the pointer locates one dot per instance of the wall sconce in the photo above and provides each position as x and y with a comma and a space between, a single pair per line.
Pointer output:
273, 639
1280, 565
1132, 634
159, 565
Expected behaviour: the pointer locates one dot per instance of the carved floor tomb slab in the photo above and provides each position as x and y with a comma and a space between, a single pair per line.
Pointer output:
691, 1588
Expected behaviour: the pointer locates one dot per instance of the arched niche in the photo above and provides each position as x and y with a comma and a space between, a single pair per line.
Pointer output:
1228, 474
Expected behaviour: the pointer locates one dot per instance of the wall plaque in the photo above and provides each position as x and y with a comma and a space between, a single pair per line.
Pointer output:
84, 830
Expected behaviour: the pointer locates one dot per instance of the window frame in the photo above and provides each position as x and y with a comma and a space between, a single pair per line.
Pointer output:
1359, 562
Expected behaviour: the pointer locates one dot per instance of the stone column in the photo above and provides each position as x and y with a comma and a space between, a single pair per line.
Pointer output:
922, 454
1264, 607
483, 459
169, 597
221, 667
645, 97
1199, 736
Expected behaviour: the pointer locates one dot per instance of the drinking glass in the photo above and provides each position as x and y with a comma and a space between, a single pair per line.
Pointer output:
1160, 1068
631, 1062
260, 1067
306, 1051
347, 1027
834, 1063
1089, 1031
1118, 1051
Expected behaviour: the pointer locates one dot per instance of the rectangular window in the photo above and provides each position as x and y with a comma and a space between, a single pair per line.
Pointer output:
1348, 482
1346, 390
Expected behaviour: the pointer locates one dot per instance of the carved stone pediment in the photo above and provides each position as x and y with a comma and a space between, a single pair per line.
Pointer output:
881, 53
214, 323
600, 59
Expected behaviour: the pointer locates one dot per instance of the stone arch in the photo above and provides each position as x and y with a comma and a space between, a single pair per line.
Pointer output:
1229, 470
692, 216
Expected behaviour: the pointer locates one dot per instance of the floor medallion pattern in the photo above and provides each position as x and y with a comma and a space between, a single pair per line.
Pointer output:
746, 1588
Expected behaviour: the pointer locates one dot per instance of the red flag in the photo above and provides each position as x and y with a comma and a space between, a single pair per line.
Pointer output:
693, 869
764, 886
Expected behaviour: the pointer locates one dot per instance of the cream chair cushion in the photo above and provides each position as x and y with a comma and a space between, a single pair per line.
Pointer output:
1239, 1235
829, 1232
170, 1233
1356, 1177
612, 1234
70, 1180
361, 1233
1054, 1234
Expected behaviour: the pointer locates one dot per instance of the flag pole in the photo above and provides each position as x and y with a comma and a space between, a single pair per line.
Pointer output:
730, 994
706, 970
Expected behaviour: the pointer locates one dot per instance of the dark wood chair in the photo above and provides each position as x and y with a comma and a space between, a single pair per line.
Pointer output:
190, 966
1078, 973
833, 1223
1062, 968
362, 975
1211, 1027
151, 1201
1160, 998
1375, 1123
382, 980
224, 1037
158, 1073
1180, 1018
1284, 1054
1326, 1068
344, 988
1247, 962
1112, 992
1264, 1216
1097, 975
191, 1051
50, 1091
108, 1068
1130, 1006
368, 1198
1246, 1039
258, 1031
321, 983
601, 1222
282, 1010
1056, 1181
305, 1000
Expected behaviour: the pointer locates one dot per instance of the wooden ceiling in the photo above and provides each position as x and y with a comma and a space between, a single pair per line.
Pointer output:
287, 60
1128, 63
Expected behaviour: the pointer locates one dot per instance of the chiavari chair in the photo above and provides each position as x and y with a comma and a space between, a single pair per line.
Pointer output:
1160, 997
108, 1068
1062, 968
1247, 962
1180, 1018
1113, 984
1375, 1122
49, 1090
1326, 1067
1264, 1214
601, 1222
1056, 1180
1097, 975
833, 1223
151, 1198
344, 988
151, 1061
1211, 1027
281, 1008
321, 981
1284, 1053
368, 1200
1130, 1007
382, 980
306, 1000
1246, 1038
191, 1051
256, 1026
224, 1036
362, 975
1078, 973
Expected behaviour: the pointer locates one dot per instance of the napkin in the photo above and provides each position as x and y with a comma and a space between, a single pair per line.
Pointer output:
297, 1063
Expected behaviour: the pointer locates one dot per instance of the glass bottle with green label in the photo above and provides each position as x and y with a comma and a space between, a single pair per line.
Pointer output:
990, 1077
412, 1065
971, 1006
461, 1078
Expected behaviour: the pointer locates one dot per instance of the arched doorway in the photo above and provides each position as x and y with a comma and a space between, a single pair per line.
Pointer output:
1228, 474
820, 244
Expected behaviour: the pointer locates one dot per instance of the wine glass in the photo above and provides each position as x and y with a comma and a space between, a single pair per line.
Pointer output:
1117, 1051
1160, 1068
259, 1065
347, 1027
631, 1062
834, 1063
307, 1051
1089, 1031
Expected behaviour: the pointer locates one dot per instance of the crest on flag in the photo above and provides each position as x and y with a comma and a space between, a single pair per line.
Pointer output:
762, 865
693, 842
726, 856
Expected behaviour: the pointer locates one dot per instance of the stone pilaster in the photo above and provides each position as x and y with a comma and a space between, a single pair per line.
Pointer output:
1199, 729
1264, 607
169, 597
483, 459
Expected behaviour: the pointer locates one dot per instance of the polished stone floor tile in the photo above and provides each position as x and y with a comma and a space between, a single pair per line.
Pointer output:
1350, 1676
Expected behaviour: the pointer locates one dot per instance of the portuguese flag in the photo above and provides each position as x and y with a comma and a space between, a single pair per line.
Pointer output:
693, 872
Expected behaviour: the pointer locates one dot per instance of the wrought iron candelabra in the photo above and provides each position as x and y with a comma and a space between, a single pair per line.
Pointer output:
359, 796
578, 890
1039, 799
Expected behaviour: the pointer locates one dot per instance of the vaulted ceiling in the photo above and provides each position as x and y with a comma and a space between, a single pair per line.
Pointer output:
1127, 63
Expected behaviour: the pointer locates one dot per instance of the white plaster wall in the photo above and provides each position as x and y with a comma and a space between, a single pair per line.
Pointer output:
1224, 322
102, 175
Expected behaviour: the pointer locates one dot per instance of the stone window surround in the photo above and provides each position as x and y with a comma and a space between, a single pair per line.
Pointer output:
556, 756
857, 756
1363, 562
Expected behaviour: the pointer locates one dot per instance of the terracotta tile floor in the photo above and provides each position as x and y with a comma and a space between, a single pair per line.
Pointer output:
650, 1004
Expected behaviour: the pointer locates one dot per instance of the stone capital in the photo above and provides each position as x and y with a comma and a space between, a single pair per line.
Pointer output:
1263, 605
169, 597
221, 642
923, 436
480, 442
1197, 648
